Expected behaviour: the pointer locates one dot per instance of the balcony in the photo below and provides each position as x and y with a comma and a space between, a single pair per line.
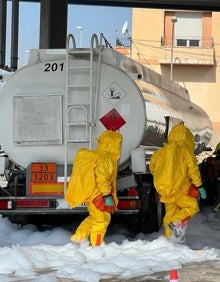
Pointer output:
187, 51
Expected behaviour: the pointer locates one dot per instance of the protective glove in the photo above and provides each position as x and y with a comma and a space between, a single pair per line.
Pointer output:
105, 203
99, 202
108, 200
193, 191
202, 192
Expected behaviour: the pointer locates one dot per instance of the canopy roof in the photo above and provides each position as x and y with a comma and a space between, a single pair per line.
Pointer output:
205, 5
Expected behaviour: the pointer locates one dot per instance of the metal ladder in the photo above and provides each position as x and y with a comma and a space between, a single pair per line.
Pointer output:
88, 108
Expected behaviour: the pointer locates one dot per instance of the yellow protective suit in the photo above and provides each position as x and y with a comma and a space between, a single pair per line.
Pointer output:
217, 149
94, 173
174, 168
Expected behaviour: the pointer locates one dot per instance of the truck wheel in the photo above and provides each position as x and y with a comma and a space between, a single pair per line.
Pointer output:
20, 219
152, 212
157, 215
151, 221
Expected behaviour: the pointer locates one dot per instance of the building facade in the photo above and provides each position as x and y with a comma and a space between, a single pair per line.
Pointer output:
184, 46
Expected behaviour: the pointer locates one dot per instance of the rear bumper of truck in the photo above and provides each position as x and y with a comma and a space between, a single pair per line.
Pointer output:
42, 205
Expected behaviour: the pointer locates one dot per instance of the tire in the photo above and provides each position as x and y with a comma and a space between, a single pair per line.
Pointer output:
151, 220
151, 215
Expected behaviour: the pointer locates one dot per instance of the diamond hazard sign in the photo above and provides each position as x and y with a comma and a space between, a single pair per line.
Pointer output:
112, 120
114, 93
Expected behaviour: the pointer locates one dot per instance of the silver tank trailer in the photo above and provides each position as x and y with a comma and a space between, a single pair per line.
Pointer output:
143, 103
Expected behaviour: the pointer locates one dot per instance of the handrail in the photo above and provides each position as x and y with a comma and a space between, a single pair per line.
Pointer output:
70, 37
107, 44
94, 39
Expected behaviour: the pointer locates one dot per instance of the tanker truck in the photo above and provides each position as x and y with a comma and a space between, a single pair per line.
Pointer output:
62, 100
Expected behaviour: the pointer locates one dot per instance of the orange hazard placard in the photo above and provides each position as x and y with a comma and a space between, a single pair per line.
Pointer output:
45, 172
112, 120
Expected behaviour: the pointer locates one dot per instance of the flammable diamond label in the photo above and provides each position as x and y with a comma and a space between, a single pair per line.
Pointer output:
114, 93
112, 120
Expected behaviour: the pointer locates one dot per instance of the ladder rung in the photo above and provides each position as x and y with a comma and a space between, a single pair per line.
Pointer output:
79, 68
79, 85
77, 141
79, 51
78, 105
77, 123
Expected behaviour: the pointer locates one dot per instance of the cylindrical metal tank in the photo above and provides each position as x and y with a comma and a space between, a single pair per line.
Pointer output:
129, 97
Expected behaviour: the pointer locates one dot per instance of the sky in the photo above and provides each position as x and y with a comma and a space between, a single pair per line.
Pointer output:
92, 19
47, 255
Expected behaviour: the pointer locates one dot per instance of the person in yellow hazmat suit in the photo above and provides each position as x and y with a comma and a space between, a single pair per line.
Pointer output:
177, 180
217, 149
93, 182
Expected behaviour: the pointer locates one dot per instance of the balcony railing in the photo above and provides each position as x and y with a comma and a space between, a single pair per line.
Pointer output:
187, 41
188, 51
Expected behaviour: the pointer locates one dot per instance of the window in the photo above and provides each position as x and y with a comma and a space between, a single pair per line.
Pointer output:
192, 29
188, 29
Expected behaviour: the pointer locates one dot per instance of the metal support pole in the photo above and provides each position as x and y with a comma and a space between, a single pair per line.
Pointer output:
3, 13
174, 20
14, 34
80, 35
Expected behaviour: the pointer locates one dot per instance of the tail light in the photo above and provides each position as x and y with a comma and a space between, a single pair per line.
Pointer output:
129, 204
5, 205
35, 203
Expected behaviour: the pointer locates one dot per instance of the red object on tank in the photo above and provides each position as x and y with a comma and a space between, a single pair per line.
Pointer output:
112, 120
173, 276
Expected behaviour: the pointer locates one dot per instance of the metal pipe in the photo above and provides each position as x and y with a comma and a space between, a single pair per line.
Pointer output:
174, 20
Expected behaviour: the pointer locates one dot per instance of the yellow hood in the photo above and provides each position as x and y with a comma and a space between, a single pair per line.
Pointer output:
110, 142
182, 136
